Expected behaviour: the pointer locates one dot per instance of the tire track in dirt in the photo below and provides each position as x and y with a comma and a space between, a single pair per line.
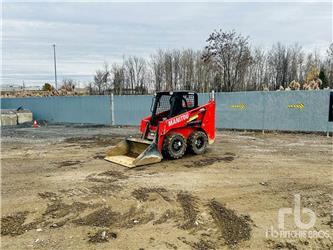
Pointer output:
184, 210
233, 228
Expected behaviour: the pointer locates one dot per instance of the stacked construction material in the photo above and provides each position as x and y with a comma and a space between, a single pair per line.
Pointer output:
10, 117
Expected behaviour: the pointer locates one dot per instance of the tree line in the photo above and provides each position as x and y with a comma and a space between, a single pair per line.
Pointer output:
226, 63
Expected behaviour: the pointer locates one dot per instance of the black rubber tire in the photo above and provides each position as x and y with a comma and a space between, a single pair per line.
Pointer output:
174, 146
194, 146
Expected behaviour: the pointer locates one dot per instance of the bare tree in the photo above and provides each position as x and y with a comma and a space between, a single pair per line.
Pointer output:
187, 68
256, 70
295, 59
68, 84
328, 65
230, 52
157, 68
102, 79
118, 80
227, 63
135, 72
168, 70
278, 59
176, 55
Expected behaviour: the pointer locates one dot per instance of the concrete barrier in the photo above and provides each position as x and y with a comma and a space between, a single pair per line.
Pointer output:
24, 116
13, 117
8, 118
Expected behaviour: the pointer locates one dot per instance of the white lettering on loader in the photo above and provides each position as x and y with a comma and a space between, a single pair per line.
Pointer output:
178, 119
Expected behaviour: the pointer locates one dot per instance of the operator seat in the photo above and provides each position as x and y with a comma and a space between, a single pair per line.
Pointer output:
176, 105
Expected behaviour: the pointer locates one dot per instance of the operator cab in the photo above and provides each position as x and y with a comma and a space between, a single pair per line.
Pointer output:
169, 104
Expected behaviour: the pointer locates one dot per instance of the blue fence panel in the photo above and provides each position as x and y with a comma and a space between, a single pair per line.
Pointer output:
71, 109
203, 98
297, 111
42, 108
129, 109
239, 110
284, 110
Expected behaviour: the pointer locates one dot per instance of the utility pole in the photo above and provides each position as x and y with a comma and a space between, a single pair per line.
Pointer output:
55, 67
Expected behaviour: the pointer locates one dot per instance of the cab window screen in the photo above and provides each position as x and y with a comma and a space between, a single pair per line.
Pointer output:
189, 101
163, 104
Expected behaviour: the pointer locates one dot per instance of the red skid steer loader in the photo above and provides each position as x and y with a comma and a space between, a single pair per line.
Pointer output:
176, 123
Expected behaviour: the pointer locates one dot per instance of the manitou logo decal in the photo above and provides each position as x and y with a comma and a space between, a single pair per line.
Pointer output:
178, 119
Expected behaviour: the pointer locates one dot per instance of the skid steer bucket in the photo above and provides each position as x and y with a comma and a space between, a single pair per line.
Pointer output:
134, 152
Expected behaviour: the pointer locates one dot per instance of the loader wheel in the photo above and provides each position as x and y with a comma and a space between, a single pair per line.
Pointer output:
174, 146
197, 142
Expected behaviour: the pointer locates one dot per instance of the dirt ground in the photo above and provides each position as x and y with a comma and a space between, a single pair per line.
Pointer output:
58, 193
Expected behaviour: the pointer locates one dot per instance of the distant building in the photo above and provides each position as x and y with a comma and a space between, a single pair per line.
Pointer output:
17, 87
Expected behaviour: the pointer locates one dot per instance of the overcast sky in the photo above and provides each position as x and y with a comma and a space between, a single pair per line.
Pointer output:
87, 34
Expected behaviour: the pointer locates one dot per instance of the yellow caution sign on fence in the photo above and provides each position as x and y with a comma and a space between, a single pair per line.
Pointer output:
238, 106
296, 106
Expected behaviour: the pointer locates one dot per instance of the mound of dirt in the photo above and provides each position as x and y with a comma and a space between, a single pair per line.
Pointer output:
142, 194
101, 236
233, 228
103, 217
190, 210
200, 245
59, 209
59, 223
105, 189
203, 245
281, 245
167, 215
49, 195
135, 217
14, 224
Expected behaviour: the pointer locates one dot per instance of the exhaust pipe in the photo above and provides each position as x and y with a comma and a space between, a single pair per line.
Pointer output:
212, 95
